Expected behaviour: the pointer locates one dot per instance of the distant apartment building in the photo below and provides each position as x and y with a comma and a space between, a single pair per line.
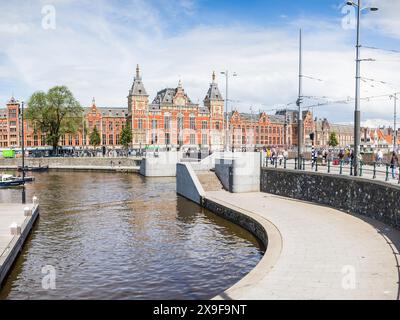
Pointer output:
256, 131
109, 122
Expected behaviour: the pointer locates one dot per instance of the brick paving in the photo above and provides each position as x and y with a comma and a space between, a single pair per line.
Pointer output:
325, 253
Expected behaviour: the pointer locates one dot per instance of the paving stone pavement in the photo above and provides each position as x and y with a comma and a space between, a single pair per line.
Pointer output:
326, 253
10, 213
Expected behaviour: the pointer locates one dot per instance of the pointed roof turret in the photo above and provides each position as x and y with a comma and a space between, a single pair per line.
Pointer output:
137, 86
93, 107
12, 99
137, 72
213, 93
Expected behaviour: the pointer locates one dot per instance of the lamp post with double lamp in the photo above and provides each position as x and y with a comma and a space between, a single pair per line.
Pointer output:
226, 73
359, 9
300, 132
23, 151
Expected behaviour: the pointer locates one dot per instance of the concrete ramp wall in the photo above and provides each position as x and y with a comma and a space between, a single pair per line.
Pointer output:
223, 170
162, 164
240, 172
187, 183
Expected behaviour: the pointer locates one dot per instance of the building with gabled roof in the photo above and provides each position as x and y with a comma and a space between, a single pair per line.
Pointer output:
172, 120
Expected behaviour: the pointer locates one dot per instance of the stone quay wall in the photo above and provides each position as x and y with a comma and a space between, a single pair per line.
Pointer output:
57, 163
373, 199
240, 218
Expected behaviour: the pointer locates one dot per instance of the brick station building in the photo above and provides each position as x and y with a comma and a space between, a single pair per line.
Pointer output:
172, 121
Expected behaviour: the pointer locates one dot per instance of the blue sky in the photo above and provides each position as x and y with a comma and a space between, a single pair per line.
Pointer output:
96, 45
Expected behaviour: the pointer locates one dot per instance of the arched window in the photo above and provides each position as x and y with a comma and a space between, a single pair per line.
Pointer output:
180, 121
192, 122
167, 121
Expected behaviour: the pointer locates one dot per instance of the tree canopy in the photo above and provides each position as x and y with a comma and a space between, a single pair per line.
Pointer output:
54, 113
126, 136
333, 140
95, 139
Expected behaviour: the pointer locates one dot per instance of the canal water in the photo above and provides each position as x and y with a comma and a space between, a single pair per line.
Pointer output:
122, 236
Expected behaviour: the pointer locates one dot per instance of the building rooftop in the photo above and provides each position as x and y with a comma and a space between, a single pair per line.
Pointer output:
110, 112
213, 93
137, 86
3, 113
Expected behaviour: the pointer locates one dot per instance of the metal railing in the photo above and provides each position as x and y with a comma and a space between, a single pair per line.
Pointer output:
375, 171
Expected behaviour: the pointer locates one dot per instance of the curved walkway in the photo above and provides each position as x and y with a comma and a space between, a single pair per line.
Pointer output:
324, 253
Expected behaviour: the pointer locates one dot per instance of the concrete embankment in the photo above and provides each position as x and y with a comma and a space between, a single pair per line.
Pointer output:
16, 222
162, 164
312, 251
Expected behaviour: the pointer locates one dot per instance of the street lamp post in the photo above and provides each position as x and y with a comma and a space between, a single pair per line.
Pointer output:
23, 151
394, 96
299, 101
394, 119
226, 73
357, 96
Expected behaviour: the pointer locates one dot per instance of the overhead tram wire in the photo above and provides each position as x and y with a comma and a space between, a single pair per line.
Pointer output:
380, 82
348, 101
381, 49
312, 78
276, 108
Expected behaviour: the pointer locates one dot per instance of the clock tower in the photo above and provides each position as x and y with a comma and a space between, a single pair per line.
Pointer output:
138, 102
215, 104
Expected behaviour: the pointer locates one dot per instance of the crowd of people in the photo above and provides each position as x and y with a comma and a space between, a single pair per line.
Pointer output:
273, 155
344, 156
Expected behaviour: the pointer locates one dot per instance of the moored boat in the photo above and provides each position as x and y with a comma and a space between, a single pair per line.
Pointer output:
35, 169
29, 179
7, 180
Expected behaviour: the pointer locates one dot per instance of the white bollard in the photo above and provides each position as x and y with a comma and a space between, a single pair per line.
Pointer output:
27, 212
15, 229
35, 200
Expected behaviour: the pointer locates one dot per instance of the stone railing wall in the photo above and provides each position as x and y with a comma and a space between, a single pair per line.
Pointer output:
373, 199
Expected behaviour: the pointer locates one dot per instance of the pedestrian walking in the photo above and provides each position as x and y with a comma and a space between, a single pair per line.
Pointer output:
324, 155
273, 156
379, 157
314, 156
341, 155
280, 159
394, 162
285, 154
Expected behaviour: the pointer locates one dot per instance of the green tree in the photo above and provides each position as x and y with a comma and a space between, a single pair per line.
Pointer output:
333, 140
94, 137
54, 113
126, 136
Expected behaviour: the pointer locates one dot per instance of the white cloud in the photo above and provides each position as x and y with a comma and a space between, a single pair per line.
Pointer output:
96, 46
386, 19
376, 123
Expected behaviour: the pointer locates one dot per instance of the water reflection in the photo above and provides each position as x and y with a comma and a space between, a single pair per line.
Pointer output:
120, 236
